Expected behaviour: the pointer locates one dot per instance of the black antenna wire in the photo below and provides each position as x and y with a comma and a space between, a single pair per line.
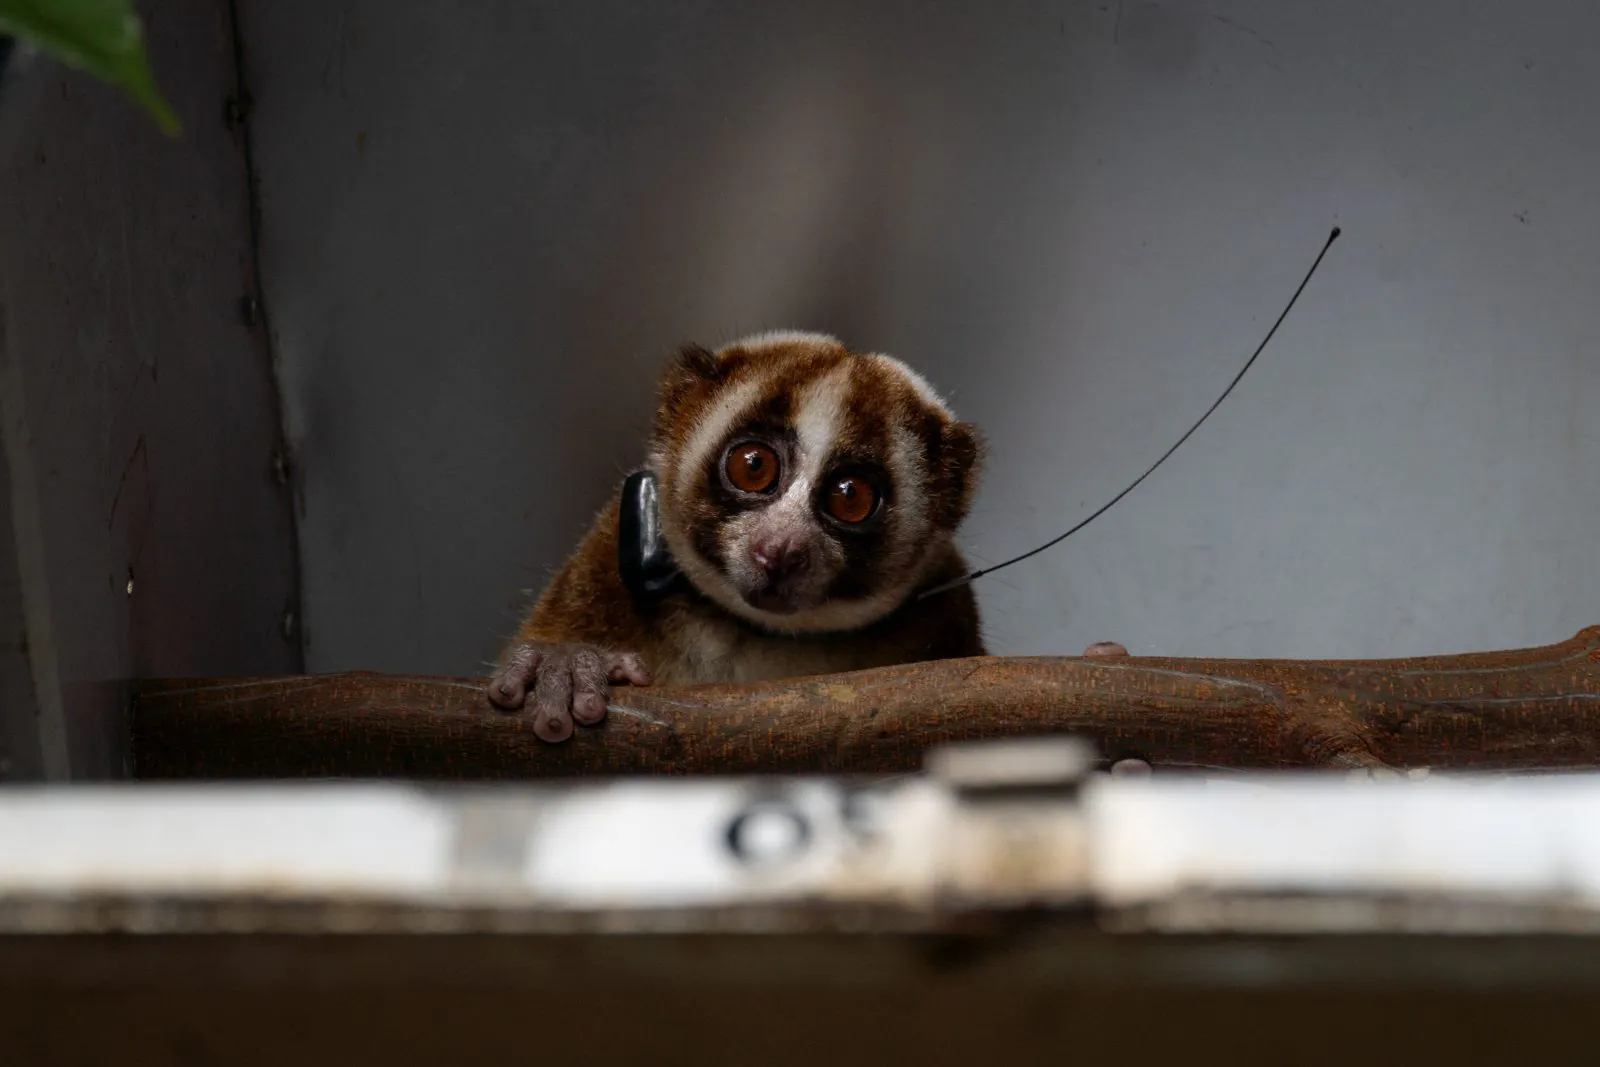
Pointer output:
973, 576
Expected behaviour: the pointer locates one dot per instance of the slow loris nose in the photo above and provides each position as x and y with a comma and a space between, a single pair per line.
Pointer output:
780, 557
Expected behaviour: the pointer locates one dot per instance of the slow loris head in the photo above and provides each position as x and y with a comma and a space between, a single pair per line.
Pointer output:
805, 487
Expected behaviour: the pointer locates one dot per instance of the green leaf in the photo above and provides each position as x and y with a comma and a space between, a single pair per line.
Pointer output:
101, 37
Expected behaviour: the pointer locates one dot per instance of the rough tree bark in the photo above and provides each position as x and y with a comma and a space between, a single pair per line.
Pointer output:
1523, 709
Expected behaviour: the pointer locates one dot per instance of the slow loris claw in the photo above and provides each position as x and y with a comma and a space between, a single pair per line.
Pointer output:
562, 684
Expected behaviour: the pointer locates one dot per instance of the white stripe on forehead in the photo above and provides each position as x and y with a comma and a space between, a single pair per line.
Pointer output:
819, 415
917, 382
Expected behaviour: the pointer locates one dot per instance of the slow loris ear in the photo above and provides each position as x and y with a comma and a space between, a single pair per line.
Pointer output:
958, 460
691, 368
693, 374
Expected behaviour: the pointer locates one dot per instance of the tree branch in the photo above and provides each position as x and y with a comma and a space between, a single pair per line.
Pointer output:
1523, 709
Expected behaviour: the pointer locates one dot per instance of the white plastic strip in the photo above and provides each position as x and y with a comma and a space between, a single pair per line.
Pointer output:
710, 844
211, 840
1518, 840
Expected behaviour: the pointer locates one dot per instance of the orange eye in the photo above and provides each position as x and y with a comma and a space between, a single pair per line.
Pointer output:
851, 499
753, 468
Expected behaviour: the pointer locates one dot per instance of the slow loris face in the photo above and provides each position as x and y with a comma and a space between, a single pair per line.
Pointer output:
805, 487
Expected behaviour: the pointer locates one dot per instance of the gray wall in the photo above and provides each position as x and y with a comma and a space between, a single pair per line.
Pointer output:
137, 415
485, 228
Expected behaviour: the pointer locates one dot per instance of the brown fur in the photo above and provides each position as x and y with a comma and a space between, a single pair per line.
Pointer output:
688, 640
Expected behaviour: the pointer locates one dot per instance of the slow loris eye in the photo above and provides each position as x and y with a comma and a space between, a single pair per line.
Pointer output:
851, 499
752, 468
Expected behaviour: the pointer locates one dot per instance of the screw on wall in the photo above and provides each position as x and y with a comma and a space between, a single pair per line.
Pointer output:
236, 111
249, 310
280, 466
129, 586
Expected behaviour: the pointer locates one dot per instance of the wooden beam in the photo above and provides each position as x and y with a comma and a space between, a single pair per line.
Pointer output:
1036, 995
1535, 708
